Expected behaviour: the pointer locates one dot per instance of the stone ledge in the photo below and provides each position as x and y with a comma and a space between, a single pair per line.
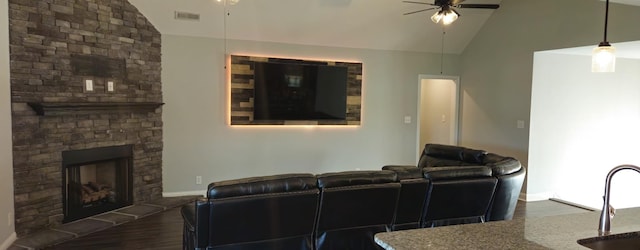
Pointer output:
59, 108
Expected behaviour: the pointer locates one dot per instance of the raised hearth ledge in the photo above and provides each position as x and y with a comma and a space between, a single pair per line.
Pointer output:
57, 108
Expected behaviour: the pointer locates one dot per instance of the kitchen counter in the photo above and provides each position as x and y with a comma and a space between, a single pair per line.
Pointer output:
553, 232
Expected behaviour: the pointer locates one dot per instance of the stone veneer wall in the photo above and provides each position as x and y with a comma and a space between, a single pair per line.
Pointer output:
47, 38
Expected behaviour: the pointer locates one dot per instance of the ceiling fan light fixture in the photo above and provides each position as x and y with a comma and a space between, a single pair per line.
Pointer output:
437, 16
603, 58
446, 15
449, 17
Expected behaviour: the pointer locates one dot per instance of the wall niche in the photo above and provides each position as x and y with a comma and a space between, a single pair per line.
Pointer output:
282, 91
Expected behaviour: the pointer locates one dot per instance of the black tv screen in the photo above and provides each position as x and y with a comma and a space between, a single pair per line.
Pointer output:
289, 91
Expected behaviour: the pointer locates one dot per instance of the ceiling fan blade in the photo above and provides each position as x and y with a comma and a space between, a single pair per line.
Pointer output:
416, 2
456, 2
413, 12
478, 6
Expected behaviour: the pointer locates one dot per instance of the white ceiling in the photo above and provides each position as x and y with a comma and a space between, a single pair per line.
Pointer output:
371, 24
628, 2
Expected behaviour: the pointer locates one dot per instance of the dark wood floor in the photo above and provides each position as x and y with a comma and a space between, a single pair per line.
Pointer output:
164, 230
545, 208
158, 231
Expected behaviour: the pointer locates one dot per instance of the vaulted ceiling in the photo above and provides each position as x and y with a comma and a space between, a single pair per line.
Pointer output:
369, 24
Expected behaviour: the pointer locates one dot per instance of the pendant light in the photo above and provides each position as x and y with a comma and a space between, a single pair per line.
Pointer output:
604, 56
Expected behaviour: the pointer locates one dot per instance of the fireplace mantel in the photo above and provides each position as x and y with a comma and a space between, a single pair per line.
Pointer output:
59, 108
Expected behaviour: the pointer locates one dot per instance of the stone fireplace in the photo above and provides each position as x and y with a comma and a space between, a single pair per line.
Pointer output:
96, 180
56, 49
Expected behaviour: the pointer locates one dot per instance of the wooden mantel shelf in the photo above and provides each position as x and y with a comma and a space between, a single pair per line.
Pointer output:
56, 108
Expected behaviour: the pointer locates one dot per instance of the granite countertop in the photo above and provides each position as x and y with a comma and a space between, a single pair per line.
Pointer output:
553, 232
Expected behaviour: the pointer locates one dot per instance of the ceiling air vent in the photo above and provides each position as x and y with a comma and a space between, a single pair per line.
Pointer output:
181, 15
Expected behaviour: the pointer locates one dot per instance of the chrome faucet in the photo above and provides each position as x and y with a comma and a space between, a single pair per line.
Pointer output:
605, 216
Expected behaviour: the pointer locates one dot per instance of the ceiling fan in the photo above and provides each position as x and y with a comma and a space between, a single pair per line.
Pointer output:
446, 9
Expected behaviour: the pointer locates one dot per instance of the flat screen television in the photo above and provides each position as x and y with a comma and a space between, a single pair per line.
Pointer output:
299, 91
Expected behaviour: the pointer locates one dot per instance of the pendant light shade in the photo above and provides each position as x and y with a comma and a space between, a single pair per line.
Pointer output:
603, 58
437, 17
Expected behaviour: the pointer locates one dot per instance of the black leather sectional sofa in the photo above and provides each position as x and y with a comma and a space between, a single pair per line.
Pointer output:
450, 185
461, 185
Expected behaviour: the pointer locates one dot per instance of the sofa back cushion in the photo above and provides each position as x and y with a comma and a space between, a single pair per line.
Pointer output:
405, 172
273, 212
261, 185
354, 206
355, 178
435, 155
458, 201
456, 172
474, 156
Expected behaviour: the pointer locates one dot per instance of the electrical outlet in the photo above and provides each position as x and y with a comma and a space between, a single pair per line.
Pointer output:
88, 85
407, 119
198, 179
110, 86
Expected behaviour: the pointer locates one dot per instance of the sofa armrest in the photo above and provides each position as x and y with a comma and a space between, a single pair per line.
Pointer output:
196, 222
188, 212
504, 166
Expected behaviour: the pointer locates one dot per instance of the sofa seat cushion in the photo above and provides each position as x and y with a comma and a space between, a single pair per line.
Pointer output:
456, 172
261, 185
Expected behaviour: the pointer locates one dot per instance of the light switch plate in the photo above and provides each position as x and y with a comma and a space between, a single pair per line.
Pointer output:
520, 124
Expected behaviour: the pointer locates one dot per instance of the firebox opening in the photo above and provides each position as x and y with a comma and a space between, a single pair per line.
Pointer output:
96, 180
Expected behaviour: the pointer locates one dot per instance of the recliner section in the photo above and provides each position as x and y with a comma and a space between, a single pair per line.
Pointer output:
272, 212
355, 205
413, 194
457, 195
293, 211
464, 186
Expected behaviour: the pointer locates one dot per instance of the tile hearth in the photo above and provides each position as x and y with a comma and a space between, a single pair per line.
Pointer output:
69, 231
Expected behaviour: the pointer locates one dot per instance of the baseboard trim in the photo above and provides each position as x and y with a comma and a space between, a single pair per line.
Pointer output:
185, 193
522, 197
7, 242
538, 196
574, 204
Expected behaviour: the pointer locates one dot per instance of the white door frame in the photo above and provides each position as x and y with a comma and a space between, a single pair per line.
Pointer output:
455, 129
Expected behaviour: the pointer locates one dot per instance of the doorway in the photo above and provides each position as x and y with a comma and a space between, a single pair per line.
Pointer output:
437, 110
